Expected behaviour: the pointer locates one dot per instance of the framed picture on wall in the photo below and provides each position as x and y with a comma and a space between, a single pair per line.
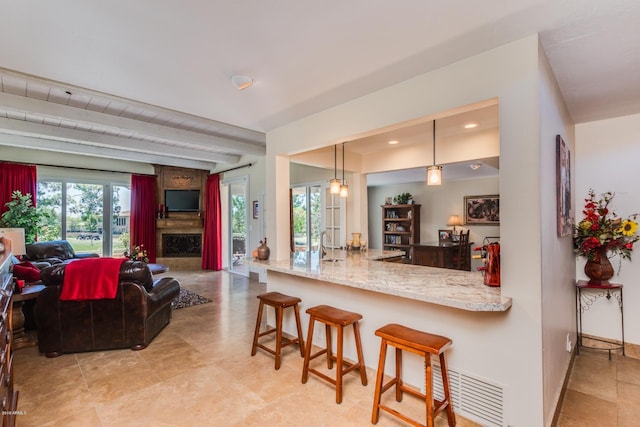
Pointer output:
256, 209
563, 188
482, 210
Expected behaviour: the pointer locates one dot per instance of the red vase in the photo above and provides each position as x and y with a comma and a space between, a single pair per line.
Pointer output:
599, 270
492, 272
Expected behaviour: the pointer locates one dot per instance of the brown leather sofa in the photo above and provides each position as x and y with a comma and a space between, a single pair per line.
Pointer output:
141, 309
53, 252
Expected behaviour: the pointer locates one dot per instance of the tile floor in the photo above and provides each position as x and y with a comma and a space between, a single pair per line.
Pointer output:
199, 372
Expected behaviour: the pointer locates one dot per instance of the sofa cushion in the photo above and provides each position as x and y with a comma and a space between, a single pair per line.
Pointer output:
60, 249
26, 271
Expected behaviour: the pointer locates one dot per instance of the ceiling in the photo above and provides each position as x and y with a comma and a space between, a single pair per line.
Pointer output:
150, 81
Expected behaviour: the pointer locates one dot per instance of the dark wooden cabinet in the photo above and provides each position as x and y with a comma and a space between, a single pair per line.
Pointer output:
8, 396
439, 255
400, 228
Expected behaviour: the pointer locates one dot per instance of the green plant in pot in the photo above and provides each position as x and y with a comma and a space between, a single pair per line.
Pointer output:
403, 198
21, 213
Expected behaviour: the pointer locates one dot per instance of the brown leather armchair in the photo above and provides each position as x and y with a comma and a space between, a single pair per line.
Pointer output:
141, 309
53, 252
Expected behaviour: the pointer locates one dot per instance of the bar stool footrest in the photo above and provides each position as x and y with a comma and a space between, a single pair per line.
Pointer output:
401, 416
270, 331
323, 376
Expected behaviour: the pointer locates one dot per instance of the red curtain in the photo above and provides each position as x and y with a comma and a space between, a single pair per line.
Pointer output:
143, 213
212, 239
14, 176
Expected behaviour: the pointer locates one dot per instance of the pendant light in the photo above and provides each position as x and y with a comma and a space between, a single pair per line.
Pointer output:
434, 172
344, 188
334, 184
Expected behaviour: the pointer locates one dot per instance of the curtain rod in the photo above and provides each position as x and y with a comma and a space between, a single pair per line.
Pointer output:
248, 165
78, 168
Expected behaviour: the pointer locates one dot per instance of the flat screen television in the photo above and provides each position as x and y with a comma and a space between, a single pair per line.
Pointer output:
182, 200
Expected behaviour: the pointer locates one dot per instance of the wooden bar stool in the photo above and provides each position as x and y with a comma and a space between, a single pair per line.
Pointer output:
279, 302
332, 316
424, 344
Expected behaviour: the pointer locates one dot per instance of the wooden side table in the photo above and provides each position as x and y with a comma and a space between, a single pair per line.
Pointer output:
20, 339
586, 295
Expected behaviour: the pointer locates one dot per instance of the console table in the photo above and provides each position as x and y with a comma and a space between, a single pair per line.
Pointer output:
586, 295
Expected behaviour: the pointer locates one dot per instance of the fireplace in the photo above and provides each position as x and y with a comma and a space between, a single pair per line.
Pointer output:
182, 245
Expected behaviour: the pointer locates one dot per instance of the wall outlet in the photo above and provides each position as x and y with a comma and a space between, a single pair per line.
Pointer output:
569, 343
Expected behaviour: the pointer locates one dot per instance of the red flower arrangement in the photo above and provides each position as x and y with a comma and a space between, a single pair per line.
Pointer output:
137, 253
602, 229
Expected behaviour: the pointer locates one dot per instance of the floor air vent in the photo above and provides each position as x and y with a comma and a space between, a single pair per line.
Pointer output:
476, 399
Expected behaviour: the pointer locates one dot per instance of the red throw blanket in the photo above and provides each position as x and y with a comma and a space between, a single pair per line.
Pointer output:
91, 278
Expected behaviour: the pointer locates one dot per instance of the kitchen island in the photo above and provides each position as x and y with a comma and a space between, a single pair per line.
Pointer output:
446, 302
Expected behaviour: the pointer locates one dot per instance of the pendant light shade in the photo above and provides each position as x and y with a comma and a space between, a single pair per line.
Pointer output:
434, 172
344, 188
334, 184
434, 175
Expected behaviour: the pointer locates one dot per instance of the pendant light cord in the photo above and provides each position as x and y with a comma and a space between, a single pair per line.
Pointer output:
343, 163
434, 142
335, 162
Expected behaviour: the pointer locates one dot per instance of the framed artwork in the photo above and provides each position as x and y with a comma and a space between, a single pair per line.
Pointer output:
482, 210
444, 236
563, 188
256, 209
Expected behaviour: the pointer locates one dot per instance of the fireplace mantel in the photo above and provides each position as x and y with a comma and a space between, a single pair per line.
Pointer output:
177, 223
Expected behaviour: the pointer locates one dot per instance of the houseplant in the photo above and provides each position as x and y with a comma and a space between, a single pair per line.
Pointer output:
603, 234
403, 198
21, 213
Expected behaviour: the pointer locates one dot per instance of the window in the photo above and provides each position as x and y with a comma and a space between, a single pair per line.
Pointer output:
92, 216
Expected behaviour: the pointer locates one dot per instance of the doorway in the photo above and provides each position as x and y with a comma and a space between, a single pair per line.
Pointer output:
306, 215
238, 219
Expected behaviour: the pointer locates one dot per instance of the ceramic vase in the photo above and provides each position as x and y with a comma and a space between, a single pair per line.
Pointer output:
356, 241
263, 251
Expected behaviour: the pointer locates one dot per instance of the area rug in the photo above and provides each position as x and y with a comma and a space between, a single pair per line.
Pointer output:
188, 299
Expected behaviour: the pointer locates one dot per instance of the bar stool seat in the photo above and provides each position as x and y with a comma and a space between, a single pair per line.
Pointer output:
424, 344
279, 302
337, 318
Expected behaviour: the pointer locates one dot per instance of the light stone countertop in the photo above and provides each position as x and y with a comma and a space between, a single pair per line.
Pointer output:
452, 288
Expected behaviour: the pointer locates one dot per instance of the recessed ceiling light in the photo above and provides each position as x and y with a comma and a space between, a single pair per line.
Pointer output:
475, 166
241, 82
470, 125
393, 142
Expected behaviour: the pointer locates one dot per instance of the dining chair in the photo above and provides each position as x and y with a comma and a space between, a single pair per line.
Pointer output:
462, 260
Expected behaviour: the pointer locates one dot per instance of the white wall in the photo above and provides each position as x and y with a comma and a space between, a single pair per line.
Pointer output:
607, 154
510, 73
437, 205
558, 272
